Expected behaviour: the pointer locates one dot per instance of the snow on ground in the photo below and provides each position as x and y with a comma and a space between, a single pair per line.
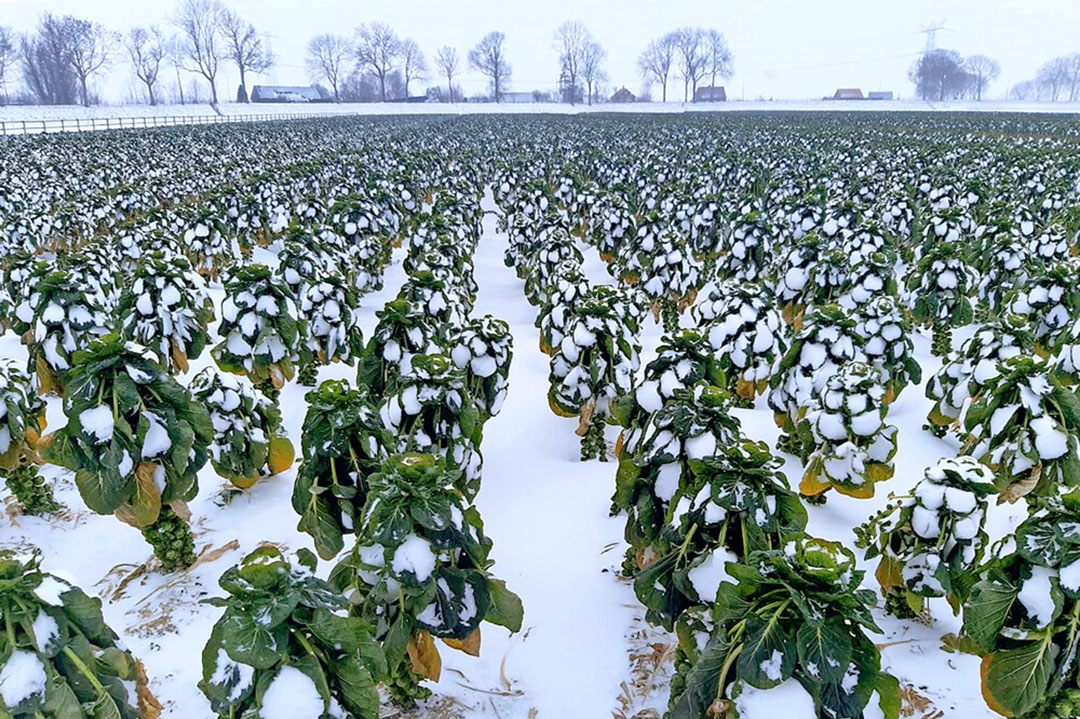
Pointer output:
12, 117
583, 640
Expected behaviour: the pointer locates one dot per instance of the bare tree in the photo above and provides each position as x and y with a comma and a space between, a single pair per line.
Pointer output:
146, 48
489, 58
690, 46
592, 71
983, 70
200, 23
91, 45
1026, 90
413, 63
570, 40
245, 48
377, 47
9, 52
326, 57
1053, 77
717, 62
655, 62
45, 57
175, 54
447, 61
1072, 63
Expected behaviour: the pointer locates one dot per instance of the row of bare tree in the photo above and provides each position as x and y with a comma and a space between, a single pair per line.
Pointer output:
1057, 79
377, 52
692, 53
58, 59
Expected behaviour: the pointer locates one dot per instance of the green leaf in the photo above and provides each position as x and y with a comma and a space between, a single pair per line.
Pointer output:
768, 655
317, 518
357, 688
1017, 678
103, 490
888, 695
84, 612
505, 609
701, 683
249, 642
227, 690
60, 700
986, 610
397, 639
825, 646
343, 634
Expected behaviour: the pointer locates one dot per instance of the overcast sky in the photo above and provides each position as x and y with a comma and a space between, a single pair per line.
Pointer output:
790, 49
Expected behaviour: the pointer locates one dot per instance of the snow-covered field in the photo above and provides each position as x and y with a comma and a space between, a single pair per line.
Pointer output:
13, 117
584, 650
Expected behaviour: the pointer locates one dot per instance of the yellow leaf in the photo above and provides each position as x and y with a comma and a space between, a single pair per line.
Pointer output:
746, 389
810, 485
558, 410
181, 509
586, 414
277, 376
244, 482
144, 507
862, 491
470, 644
281, 454
47, 382
179, 357
889, 574
424, 656
1021, 488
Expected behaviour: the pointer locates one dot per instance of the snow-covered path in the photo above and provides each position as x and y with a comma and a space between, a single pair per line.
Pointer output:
547, 514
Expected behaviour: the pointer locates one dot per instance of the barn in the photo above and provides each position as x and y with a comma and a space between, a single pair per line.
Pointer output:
280, 93
710, 94
623, 95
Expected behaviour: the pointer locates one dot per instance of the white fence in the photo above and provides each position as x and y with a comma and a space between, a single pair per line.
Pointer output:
86, 124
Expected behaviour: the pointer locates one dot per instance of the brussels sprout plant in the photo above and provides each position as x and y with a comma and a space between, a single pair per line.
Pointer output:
136, 442
342, 442
420, 570
283, 639
792, 612
263, 335
58, 657
593, 368
22, 419
931, 541
1026, 427
853, 448
167, 310
249, 442
1024, 617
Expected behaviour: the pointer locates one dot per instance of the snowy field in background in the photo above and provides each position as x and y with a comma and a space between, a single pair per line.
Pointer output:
232, 109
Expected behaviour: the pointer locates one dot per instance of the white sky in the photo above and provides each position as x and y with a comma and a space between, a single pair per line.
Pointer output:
790, 49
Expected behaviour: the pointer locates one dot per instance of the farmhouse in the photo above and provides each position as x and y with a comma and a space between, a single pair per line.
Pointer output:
280, 93
623, 95
848, 93
710, 94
